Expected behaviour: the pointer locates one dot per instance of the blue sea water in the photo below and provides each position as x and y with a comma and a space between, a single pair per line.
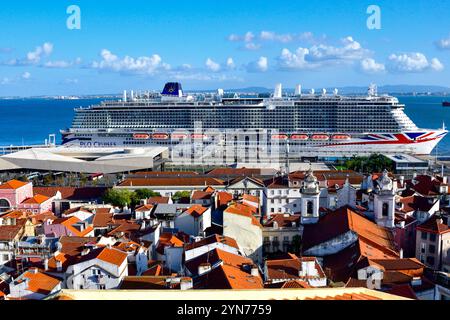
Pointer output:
30, 121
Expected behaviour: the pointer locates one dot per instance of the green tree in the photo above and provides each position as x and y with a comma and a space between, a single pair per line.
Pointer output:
179, 195
142, 194
118, 198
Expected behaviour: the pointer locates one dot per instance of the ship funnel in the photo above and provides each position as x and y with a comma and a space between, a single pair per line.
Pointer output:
124, 96
324, 91
277, 93
335, 91
298, 90
313, 91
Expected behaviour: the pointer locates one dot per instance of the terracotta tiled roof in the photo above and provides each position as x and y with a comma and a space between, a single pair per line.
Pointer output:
344, 220
295, 284
216, 255
72, 193
40, 282
223, 172
127, 227
168, 240
346, 296
69, 222
13, 184
425, 185
434, 225
112, 255
36, 199
157, 200
283, 220
213, 239
175, 181
228, 277
243, 210
144, 207
15, 214
102, 220
74, 245
9, 232
403, 290
289, 268
201, 195
250, 198
196, 210
223, 198
398, 264
415, 202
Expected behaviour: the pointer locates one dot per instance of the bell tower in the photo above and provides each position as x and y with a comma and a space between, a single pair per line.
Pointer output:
310, 199
384, 201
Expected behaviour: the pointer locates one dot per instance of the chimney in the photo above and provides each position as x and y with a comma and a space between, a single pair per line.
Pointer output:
254, 271
85, 251
203, 268
414, 175
46, 264
401, 253
439, 221
402, 181
186, 283
33, 270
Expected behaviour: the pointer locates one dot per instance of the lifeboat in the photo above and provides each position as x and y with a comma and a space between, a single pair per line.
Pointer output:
179, 136
340, 137
320, 137
299, 136
198, 136
279, 137
160, 136
141, 136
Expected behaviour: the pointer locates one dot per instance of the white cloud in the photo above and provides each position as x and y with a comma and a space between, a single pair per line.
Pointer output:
444, 44
321, 55
61, 64
252, 46
351, 50
261, 65
230, 63
297, 60
4, 81
369, 65
70, 81
26, 75
141, 65
34, 57
413, 62
272, 36
212, 66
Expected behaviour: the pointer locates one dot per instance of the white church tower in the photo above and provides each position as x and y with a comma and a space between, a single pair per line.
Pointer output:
346, 196
310, 199
384, 201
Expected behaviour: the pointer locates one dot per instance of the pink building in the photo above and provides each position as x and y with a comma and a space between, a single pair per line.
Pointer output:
14, 192
19, 195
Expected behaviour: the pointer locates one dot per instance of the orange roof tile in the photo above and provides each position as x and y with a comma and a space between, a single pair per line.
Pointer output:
36, 199
243, 210
13, 184
112, 255
196, 210
40, 282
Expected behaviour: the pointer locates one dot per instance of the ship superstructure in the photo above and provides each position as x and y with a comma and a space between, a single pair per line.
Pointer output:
300, 122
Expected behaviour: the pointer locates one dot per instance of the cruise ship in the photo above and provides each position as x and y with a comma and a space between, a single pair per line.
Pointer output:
293, 123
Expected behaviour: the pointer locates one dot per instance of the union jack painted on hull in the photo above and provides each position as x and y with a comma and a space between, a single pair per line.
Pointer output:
422, 142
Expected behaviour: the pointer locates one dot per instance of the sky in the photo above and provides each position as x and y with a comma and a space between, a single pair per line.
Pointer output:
47, 48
